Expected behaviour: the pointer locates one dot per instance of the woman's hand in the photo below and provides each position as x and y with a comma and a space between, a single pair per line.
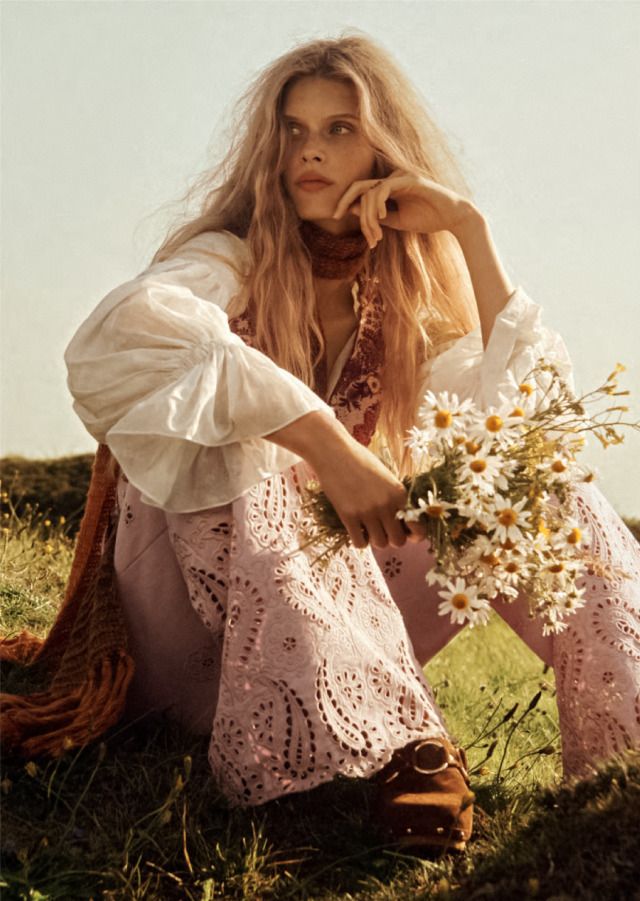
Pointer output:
365, 494
421, 205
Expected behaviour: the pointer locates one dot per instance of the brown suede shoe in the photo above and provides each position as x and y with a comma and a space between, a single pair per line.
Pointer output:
424, 801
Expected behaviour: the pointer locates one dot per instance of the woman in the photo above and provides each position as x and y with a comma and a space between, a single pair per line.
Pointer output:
334, 274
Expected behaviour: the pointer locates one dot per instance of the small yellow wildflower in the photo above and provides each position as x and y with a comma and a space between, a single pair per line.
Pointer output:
31, 768
62, 520
48, 548
47, 522
543, 529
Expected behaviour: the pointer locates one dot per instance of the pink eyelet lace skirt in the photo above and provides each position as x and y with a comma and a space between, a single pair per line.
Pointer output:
299, 673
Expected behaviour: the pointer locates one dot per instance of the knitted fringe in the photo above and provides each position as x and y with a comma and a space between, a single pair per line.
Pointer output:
49, 724
85, 653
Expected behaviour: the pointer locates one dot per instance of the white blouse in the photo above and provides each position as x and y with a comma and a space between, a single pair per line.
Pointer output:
184, 404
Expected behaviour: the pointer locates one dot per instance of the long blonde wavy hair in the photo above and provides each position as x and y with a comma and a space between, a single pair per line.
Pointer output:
423, 278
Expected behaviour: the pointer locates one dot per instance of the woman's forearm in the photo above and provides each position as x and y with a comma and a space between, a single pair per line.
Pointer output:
312, 436
491, 284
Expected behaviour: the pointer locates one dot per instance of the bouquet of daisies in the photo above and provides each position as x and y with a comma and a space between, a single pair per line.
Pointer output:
496, 491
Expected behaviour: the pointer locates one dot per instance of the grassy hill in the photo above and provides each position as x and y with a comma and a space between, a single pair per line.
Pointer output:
137, 815
58, 487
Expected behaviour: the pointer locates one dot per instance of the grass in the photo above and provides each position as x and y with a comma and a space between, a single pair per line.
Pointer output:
138, 815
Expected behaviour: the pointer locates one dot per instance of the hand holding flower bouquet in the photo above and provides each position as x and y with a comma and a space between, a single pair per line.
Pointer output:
496, 491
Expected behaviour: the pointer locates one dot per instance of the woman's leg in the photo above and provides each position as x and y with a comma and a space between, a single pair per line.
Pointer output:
318, 676
596, 658
176, 657
404, 570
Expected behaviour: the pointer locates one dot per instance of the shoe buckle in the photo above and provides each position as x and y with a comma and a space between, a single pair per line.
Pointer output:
438, 760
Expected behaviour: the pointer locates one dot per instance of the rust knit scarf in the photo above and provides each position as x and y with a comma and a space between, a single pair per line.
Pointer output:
83, 667
333, 256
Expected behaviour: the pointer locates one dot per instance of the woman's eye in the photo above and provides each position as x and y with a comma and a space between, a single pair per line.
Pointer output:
294, 129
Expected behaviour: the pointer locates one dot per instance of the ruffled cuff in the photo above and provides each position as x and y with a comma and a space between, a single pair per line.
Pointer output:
518, 339
182, 402
197, 442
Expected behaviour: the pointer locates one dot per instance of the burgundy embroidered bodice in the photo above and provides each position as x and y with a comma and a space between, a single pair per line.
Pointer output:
357, 394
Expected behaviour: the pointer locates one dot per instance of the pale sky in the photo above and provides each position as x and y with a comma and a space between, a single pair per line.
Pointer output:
110, 109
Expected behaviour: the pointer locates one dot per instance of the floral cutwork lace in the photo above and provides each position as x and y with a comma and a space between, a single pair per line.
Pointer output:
318, 675
597, 658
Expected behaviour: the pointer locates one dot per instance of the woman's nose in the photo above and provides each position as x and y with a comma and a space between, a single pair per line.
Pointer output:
311, 153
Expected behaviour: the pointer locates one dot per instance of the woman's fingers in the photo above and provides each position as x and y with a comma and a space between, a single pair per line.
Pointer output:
357, 534
379, 531
395, 531
354, 193
383, 195
376, 532
418, 531
366, 219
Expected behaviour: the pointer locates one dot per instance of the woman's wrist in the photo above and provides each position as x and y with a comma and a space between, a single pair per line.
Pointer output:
311, 436
491, 283
469, 225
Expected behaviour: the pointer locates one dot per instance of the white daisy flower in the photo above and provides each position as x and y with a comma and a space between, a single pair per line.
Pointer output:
522, 402
418, 440
483, 471
571, 536
435, 576
464, 605
552, 626
444, 416
434, 507
558, 572
496, 426
472, 506
513, 571
508, 519
481, 551
559, 468
586, 473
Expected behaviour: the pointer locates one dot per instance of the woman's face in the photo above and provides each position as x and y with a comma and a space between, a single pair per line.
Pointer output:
320, 119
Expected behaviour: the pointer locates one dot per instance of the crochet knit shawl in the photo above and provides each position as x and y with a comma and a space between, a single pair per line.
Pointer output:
83, 667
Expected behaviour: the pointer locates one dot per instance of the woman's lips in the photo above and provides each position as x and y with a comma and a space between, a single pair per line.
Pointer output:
313, 185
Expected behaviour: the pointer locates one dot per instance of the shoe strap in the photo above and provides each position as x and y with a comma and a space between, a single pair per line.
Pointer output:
443, 755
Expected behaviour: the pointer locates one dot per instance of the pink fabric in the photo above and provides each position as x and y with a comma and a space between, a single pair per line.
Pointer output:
299, 674
596, 659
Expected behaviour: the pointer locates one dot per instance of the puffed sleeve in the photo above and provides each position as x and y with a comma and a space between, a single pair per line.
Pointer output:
182, 402
518, 339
